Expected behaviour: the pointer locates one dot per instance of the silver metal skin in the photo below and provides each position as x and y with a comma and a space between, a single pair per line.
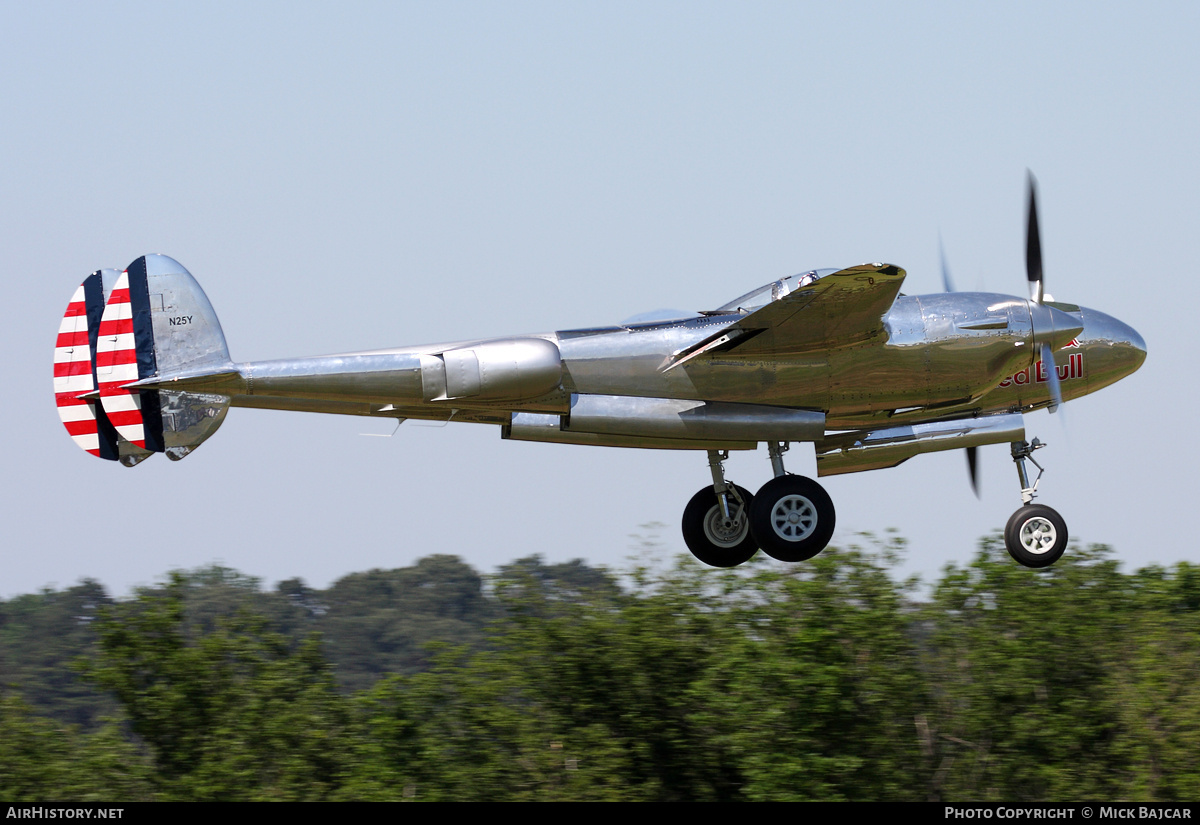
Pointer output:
941, 357
855, 451
922, 359
187, 334
689, 418
189, 418
840, 359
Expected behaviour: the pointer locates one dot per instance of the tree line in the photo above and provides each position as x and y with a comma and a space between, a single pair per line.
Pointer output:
827, 680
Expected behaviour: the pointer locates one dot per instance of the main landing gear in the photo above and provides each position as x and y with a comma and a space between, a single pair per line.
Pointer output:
1036, 535
791, 517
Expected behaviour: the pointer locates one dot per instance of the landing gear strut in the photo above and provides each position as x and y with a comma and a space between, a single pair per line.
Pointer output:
791, 518
1036, 535
716, 522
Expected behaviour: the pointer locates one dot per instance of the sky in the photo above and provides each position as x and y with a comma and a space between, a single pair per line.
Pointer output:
345, 177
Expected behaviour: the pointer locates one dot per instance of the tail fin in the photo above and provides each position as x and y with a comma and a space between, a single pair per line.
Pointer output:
150, 321
75, 370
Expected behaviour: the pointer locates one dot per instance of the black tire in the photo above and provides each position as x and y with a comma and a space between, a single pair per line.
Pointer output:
792, 518
709, 539
1036, 536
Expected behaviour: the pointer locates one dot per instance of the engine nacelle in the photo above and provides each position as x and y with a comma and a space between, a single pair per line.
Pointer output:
858, 450
690, 419
493, 371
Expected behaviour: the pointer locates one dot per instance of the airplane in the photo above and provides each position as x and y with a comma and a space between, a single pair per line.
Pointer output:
839, 359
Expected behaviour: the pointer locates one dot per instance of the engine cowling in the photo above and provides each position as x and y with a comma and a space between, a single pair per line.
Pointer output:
510, 369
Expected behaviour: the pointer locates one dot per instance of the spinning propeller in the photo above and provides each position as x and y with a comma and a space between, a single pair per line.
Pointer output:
948, 286
1037, 295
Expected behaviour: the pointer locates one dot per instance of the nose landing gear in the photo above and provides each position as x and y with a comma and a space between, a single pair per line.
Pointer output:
1035, 535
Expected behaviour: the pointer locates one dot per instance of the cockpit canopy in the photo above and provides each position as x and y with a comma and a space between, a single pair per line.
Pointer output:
773, 291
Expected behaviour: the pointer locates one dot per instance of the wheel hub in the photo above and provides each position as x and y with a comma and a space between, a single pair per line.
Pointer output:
794, 518
725, 532
1038, 535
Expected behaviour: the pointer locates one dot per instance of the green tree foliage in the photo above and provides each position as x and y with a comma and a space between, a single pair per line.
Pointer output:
823, 680
40, 636
466, 730
614, 678
692, 685
234, 713
1156, 685
41, 759
383, 621
821, 688
1070, 683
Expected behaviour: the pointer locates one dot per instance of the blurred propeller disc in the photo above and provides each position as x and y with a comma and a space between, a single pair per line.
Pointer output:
1033, 246
973, 468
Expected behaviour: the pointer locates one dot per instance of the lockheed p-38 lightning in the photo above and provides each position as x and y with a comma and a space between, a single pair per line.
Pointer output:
839, 359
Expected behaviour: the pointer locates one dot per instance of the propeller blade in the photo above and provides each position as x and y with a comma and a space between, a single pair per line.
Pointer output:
1033, 246
947, 281
1047, 356
973, 468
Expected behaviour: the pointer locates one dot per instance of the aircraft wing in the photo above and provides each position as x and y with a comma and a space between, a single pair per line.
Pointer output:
837, 310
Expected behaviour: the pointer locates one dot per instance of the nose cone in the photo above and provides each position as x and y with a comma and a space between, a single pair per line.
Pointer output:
1136, 343
1113, 349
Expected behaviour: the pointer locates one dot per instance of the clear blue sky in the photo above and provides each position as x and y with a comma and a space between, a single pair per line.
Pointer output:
354, 176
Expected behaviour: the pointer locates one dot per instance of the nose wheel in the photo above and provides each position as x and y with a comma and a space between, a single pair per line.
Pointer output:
1036, 535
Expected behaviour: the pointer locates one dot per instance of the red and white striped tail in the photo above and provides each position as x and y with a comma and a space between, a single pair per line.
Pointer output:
116, 364
108, 341
73, 375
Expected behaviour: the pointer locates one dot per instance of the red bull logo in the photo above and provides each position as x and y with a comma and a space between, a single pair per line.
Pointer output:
1037, 373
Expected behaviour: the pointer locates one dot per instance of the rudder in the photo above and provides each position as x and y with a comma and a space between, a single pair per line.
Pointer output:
149, 322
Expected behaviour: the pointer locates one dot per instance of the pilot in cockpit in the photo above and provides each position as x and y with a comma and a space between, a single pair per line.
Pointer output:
780, 288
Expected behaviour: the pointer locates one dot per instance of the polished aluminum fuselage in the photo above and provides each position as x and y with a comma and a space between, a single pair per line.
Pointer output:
839, 359
936, 362
940, 357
